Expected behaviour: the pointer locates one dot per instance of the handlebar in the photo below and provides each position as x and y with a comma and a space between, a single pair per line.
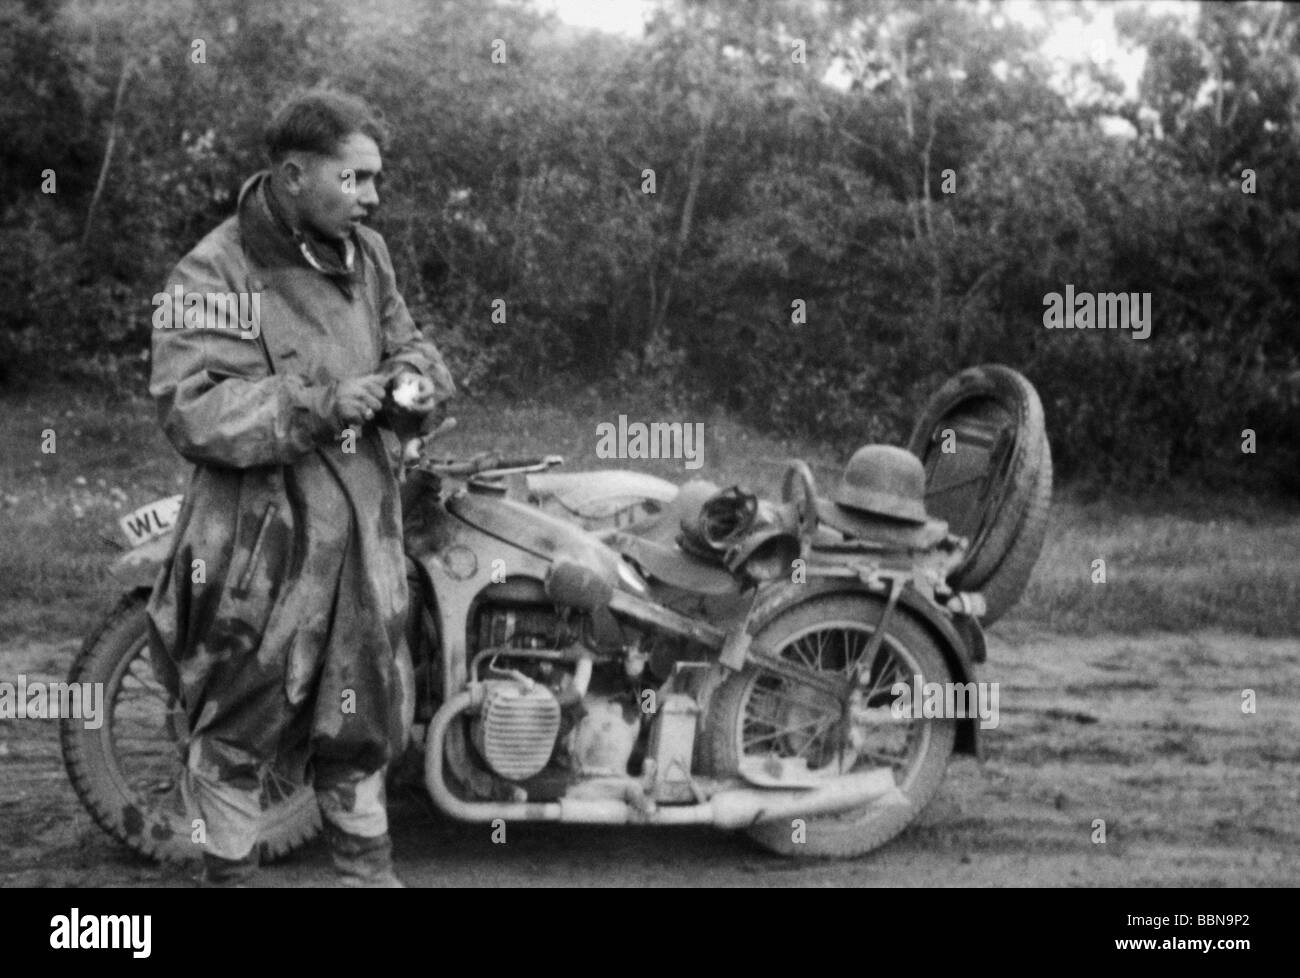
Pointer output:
480, 464
489, 462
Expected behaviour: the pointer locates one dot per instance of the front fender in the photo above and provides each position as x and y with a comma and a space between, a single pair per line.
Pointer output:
140, 566
960, 653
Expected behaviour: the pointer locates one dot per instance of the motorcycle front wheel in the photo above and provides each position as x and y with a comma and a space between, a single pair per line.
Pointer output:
757, 715
128, 772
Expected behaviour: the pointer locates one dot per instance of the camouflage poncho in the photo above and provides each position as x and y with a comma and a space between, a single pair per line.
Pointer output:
282, 605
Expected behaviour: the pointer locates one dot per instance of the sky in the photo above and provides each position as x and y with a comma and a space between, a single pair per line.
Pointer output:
614, 16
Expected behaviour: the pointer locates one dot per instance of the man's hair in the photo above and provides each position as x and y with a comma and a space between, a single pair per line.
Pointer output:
317, 121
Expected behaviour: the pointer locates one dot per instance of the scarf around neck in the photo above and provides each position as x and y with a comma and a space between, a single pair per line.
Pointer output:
273, 242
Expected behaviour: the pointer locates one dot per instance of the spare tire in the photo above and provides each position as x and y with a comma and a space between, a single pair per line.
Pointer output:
988, 474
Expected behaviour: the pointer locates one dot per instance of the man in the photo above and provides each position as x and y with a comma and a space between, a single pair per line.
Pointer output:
280, 612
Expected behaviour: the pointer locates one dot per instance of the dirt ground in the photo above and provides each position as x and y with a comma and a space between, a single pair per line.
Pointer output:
1146, 733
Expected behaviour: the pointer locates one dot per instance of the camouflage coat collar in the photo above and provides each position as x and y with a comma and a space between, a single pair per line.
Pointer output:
273, 243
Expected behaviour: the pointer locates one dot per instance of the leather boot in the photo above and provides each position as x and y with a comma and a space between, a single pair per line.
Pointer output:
219, 873
362, 861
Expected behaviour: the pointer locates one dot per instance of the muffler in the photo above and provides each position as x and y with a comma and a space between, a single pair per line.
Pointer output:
731, 808
738, 808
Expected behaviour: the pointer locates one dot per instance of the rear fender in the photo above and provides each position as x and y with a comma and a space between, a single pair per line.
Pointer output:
957, 652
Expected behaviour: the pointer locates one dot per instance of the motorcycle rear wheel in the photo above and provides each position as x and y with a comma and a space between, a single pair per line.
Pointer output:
742, 723
128, 772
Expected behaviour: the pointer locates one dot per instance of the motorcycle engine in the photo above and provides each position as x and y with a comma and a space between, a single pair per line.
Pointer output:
516, 730
576, 719
602, 741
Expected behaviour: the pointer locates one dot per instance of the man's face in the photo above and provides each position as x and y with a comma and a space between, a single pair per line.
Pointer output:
336, 192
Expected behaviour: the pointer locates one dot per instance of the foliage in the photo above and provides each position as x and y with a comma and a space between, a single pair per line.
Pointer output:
920, 210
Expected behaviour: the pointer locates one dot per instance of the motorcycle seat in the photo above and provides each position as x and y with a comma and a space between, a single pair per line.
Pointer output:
652, 543
682, 510
674, 566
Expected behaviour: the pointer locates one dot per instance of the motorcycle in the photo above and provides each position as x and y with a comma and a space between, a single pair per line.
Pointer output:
607, 647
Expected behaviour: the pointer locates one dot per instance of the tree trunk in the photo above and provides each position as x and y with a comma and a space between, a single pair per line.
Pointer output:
660, 323
932, 242
108, 153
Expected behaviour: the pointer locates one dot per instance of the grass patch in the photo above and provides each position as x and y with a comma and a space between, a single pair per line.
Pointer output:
1178, 563
59, 510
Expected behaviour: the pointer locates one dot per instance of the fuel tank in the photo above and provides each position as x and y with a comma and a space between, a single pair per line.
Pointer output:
532, 530
602, 499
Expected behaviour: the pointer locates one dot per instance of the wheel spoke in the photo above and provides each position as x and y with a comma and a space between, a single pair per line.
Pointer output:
885, 679
126, 695
149, 724
820, 738
851, 651
144, 744
153, 761
891, 760
144, 688
781, 731
801, 710
797, 648
787, 731
778, 693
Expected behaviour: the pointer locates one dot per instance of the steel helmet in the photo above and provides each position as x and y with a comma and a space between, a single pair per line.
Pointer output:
884, 480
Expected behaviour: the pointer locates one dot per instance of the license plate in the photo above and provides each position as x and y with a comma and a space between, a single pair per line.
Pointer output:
151, 520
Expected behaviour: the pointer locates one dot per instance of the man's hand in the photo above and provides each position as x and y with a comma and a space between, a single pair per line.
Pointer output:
358, 399
416, 393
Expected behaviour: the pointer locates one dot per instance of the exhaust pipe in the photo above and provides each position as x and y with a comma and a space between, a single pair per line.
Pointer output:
739, 808
733, 808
